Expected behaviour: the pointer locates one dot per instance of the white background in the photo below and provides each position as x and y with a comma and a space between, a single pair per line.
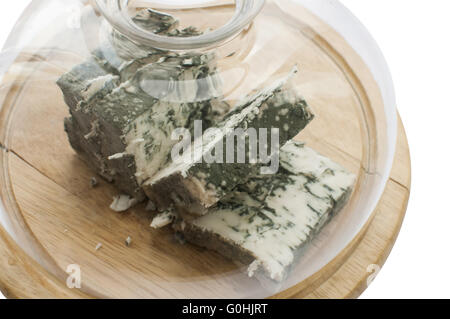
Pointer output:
414, 36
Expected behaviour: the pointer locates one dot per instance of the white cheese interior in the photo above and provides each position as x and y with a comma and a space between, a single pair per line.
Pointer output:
150, 141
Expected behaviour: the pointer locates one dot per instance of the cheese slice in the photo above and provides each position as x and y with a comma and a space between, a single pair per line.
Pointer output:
266, 222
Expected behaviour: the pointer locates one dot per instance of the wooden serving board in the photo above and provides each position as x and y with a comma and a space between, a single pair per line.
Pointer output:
345, 277
58, 219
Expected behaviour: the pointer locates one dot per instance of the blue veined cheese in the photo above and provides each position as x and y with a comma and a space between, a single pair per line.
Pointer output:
168, 95
118, 59
266, 222
135, 120
194, 183
86, 82
125, 101
115, 61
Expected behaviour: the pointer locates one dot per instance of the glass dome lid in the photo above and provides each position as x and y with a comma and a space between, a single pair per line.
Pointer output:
191, 149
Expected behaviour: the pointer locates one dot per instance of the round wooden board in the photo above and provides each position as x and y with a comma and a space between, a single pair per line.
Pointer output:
22, 277
36, 177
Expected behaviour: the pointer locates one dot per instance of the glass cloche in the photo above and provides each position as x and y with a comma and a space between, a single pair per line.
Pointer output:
191, 149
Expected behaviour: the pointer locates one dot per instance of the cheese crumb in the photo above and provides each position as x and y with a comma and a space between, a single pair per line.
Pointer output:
122, 203
99, 245
93, 182
253, 268
163, 219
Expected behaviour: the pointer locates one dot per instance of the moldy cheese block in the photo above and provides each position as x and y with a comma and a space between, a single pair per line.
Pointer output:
267, 222
193, 183
124, 108
126, 134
